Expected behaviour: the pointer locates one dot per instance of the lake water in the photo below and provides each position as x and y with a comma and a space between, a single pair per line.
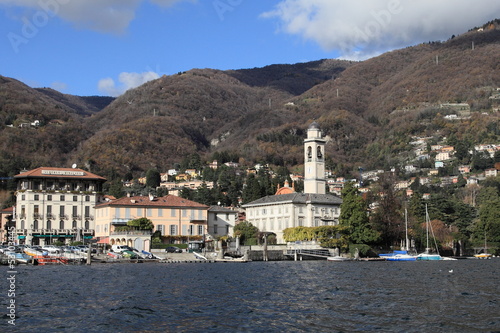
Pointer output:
284, 296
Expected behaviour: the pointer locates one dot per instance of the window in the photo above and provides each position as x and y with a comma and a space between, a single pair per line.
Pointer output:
87, 211
61, 224
215, 228
49, 211
49, 197
191, 230
161, 229
173, 229
172, 213
75, 211
49, 224
61, 211
23, 197
138, 213
87, 224
200, 230
74, 224
149, 212
127, 212
87, 198
184, 213
75, 198
37, 197
61, 198
160, 212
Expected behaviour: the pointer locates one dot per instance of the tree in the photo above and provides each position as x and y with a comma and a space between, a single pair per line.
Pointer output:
252, 190
141, 224
354, 216
153, 178
247, 233
489, 216
387, 218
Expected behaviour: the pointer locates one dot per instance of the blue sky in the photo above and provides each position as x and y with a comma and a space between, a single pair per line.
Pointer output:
103, 47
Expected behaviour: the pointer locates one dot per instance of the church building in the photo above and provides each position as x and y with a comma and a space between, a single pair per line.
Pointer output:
287, 208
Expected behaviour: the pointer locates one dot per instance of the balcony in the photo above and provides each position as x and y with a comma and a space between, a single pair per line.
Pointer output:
63, 216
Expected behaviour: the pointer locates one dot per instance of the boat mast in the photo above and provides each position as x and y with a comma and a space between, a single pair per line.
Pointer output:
406, 228
427, 228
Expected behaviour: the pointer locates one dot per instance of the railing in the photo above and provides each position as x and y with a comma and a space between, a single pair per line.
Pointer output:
63, 217
119, 221
132, 232
323, 253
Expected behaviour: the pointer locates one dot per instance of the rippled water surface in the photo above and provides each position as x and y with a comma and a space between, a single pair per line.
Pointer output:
307, 296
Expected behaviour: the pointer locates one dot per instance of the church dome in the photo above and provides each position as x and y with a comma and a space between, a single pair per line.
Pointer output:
314, 125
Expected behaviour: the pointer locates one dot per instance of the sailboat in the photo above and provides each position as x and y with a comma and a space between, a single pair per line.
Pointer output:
484, 255
426, 255
403, 254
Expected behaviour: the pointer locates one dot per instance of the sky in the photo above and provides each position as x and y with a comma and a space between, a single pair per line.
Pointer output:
104, 47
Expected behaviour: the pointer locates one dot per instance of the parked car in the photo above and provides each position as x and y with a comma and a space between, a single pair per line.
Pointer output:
173, 249
120, 248
51, 249
85, 249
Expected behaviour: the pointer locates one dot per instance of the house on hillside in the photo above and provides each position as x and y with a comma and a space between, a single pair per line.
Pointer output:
491, 172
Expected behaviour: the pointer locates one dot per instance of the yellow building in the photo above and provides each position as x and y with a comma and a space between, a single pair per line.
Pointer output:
171, 216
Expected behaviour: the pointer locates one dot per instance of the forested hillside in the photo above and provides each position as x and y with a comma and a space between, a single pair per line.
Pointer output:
368, 111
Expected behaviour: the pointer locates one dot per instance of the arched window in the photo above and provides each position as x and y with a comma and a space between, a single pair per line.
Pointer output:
61, 224
49, 224
319, 153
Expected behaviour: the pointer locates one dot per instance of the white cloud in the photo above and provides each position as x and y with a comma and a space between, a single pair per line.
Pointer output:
109, 16
363, 28
126, 81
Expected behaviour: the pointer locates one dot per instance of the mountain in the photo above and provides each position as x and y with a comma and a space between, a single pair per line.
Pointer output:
368, 110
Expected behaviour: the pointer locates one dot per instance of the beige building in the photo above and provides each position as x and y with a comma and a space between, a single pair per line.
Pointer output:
56, 204
171, 216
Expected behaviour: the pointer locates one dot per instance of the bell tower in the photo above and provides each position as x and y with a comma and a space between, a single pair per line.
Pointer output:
314, 161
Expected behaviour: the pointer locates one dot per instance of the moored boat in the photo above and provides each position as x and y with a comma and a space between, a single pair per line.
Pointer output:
337, 258
483, 256
401, 256
427, 255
